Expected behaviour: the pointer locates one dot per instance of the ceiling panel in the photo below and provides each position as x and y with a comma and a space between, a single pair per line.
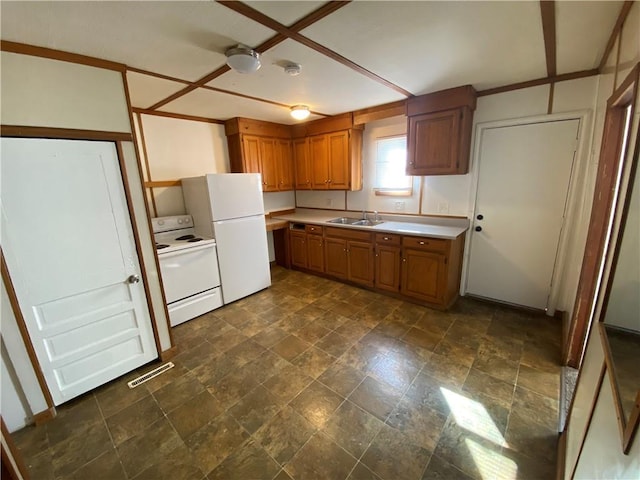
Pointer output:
582, 32
287, 13
428, 46
146, 90
180, 39
207, 103
324, 85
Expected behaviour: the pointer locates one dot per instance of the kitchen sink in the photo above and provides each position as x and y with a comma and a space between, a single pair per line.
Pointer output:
345, 220
361, 222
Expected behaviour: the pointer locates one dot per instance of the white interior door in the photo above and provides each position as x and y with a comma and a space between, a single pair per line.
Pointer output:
68, 243
524, 175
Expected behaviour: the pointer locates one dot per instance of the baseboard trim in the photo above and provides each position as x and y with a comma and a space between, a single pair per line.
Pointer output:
562, 455
169, 354
44, 416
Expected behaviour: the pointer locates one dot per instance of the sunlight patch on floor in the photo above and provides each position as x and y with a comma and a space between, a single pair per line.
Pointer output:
472, 416
491, 465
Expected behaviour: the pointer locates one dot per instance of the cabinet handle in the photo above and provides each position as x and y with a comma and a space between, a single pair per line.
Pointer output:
326, 181
329, 181
422, 243
404, 259
386, 238
411, 163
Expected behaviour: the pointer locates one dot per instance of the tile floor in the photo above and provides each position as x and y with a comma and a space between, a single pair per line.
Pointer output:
312, 379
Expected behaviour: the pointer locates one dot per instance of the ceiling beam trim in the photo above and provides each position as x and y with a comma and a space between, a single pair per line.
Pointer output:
617, 28
539, 81
548, 12
313, 17
292, 33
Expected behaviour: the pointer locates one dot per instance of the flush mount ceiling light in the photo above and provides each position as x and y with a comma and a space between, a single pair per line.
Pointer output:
243, 59
300, 112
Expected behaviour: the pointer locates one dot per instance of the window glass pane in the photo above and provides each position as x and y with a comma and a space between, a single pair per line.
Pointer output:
391, 160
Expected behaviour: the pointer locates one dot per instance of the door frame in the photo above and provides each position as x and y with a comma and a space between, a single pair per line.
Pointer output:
116, 138
577, 191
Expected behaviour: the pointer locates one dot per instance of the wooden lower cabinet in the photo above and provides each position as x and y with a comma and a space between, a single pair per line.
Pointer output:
387, 268
315, 253
335, 250
423, 275
360, 264
424, 269
298, 248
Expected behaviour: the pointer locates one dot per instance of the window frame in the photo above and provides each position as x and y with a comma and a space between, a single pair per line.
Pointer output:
391, 192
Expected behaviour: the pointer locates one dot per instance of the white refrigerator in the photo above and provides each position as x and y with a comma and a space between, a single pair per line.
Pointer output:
229, 208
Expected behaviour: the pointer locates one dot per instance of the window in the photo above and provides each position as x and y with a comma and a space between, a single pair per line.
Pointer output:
391, 164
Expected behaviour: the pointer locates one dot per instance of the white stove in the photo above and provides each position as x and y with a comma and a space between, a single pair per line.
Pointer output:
189, 268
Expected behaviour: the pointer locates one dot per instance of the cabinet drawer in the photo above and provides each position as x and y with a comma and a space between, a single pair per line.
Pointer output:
387, 239
315, 229
348, 233
424, 243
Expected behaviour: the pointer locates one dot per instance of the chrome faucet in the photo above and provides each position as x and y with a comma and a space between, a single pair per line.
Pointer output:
376, 217
364, 214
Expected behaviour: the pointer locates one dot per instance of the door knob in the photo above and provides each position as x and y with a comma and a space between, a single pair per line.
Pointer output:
133, 279
478, 229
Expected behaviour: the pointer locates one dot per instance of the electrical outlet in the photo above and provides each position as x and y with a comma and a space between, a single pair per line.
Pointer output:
328, 202
399, 206
443, 207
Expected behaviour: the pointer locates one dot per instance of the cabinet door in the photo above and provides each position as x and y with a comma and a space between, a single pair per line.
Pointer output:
269, 164
335, 250
388, 268
298, 247
251, 154
360, 262
284, 164
433, 143
338, 160
424, 275
315, 253
319, 160
301, 163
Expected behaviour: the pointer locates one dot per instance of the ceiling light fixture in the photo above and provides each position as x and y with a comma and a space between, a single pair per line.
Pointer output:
243, 59
300, 112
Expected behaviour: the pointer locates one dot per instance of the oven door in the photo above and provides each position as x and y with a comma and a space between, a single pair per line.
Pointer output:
189, 271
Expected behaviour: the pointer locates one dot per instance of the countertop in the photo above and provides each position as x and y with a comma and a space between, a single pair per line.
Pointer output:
447, 228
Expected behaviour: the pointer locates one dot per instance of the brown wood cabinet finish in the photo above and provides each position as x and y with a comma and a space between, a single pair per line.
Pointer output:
424, 269
315, 252
439, 132
423, 275
301, 163
298, 248
387, 273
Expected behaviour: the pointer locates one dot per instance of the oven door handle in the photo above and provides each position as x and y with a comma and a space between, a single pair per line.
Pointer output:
187, 250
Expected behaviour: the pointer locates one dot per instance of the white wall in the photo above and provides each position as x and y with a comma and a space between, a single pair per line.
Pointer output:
21, 393
175, 149
602, 455
49, 93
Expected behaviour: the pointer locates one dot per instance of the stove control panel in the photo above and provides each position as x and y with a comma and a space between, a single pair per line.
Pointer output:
175, 222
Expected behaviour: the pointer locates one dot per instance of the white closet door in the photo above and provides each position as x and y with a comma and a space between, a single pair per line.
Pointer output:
524, 174
69, 246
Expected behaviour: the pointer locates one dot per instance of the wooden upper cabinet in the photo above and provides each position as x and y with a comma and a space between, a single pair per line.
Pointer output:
325, 154
319, 161
338, 158
301, 164
259, 147
250, 162
284, 165
269, 164
439, 132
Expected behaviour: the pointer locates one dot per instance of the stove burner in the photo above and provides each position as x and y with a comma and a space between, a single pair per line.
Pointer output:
194, 240
161, 246
186, 237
